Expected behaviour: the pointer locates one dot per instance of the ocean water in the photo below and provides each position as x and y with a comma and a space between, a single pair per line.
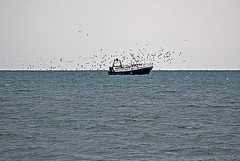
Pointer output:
89, 115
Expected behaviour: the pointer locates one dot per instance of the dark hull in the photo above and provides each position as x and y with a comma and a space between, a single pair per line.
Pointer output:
133, 72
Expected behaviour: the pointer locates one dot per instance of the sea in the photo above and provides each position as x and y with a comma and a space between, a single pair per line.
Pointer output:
90, 115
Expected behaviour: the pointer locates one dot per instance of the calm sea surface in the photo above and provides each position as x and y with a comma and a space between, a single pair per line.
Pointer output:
89, 115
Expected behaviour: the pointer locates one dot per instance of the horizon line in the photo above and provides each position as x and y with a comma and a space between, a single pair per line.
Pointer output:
107, 70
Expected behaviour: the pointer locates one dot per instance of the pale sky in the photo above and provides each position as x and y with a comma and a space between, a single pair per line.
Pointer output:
206, 32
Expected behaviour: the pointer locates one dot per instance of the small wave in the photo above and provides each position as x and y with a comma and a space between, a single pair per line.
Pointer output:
217, 106
182, 127
146, 136
132, 146
205, 106
187, 127
23, 90
201, 151
100, 128
172, 150
9, 135
170, 91
29, 137
193, 105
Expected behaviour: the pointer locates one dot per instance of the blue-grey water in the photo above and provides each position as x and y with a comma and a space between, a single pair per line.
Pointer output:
89, 115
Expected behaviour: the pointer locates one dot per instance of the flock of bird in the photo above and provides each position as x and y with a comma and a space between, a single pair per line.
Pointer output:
102, 60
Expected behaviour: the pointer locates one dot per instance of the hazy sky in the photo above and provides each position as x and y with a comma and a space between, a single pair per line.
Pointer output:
207, 32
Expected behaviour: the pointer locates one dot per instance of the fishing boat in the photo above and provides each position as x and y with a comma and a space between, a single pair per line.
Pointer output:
134, 69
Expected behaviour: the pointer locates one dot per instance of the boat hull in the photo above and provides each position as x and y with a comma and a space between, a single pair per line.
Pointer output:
132, 72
